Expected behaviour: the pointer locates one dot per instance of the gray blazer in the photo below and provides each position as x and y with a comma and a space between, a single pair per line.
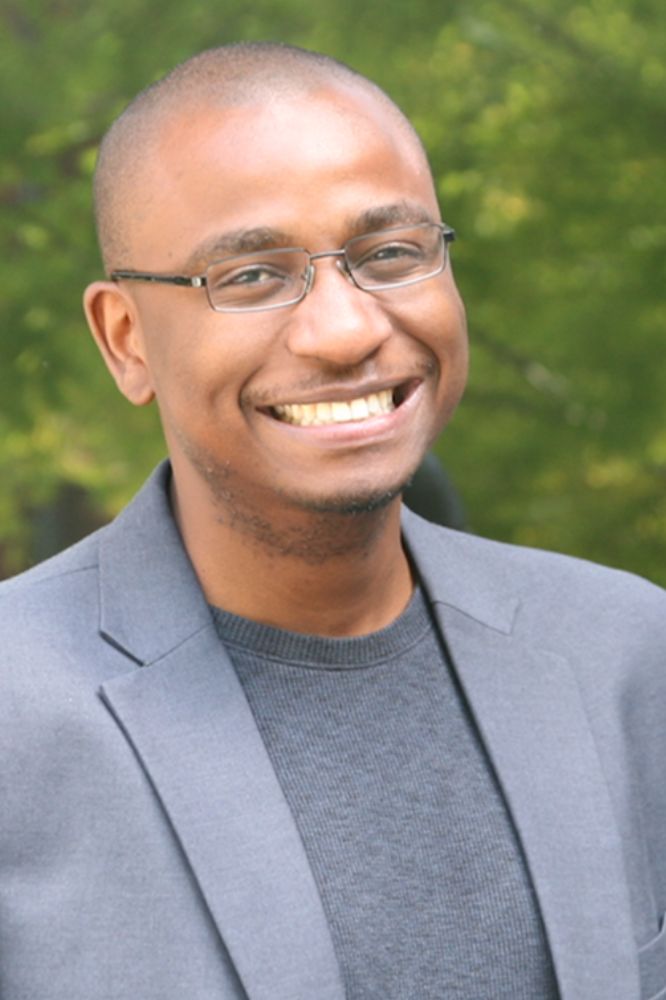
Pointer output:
146, 849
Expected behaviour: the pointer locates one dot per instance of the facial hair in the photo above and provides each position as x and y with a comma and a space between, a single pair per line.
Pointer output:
312, 530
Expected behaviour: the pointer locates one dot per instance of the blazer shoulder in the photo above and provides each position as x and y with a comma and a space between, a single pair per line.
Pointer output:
82, 556
519, 563
53, 597
557, 590
64, 570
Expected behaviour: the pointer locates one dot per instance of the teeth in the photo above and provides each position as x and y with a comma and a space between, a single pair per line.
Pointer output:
340, 412
335, 412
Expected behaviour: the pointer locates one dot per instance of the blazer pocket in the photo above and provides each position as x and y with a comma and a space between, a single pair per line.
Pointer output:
652, 964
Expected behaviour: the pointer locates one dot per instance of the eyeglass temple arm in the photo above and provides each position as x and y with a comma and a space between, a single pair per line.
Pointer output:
161, 279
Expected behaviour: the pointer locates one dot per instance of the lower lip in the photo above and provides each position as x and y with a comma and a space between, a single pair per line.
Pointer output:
354, 431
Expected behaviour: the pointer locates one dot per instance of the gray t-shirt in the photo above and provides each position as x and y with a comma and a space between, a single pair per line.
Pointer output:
417, 862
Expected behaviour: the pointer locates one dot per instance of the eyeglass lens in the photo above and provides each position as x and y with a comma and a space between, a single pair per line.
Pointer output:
273, 278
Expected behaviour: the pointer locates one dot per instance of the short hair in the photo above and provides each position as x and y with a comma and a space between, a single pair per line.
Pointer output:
225, 76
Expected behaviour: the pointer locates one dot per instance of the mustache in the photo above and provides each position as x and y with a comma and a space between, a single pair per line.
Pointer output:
343, 379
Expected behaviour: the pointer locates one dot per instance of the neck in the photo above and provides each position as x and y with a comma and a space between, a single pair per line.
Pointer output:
336, 574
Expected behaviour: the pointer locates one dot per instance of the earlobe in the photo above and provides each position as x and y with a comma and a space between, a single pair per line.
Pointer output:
113, 321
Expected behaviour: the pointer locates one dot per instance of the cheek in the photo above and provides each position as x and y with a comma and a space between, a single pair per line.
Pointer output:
456, 335
454, 356
199, 360
440, 325
444, 333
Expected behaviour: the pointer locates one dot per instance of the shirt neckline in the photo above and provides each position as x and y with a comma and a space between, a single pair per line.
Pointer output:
325, 652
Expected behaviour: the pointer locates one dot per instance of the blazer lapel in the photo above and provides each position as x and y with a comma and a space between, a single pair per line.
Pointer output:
528, 710
185, 714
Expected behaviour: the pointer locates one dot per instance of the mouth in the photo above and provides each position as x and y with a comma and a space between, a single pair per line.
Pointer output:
341, 411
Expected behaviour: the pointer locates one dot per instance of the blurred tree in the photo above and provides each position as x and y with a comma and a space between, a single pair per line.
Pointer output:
545, 121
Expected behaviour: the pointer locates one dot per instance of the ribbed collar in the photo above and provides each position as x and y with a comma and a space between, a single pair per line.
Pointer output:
324, 652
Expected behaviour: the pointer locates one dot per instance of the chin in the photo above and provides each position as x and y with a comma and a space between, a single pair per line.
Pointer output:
352, 502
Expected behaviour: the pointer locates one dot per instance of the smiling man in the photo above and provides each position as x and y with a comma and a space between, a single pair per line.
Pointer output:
268, 736
303, 383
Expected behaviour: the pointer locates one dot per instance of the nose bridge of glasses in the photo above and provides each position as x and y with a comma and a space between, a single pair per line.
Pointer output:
328, 253
340, 261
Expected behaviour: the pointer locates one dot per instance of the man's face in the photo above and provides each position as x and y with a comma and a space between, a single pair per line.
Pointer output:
307, 171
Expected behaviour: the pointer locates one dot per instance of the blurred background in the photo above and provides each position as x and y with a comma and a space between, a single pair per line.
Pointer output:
545, 121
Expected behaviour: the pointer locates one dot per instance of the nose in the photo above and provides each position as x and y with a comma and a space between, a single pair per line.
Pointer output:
336, 322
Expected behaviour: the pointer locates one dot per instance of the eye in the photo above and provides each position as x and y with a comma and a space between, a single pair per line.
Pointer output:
392, 251
390, 261
243, 282
252, 275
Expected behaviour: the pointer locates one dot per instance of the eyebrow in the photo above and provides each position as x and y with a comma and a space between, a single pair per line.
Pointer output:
242, 241
236, 242
401, 213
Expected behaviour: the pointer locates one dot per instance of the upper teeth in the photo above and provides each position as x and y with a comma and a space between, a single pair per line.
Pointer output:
316, 414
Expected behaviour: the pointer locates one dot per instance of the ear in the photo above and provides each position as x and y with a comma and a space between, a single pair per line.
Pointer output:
114, 323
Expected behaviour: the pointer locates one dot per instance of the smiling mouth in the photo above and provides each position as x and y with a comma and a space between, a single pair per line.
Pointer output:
327, 412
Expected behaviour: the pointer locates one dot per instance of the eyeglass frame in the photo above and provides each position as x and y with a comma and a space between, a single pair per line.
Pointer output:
201, 280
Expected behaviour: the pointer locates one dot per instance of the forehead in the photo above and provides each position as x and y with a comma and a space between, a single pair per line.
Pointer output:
307, 166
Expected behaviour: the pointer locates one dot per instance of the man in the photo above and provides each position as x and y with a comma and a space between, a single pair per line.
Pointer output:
260, 739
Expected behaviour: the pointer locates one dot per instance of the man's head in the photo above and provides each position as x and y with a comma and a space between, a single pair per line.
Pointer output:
258, 148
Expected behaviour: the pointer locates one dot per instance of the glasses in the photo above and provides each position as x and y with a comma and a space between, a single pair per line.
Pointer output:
271, 279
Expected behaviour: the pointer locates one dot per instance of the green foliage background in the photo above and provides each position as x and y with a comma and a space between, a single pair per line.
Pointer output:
545, 121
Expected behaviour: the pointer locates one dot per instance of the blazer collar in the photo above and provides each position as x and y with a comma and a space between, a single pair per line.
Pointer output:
526, 703
186, 717
457, 575
150, 599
